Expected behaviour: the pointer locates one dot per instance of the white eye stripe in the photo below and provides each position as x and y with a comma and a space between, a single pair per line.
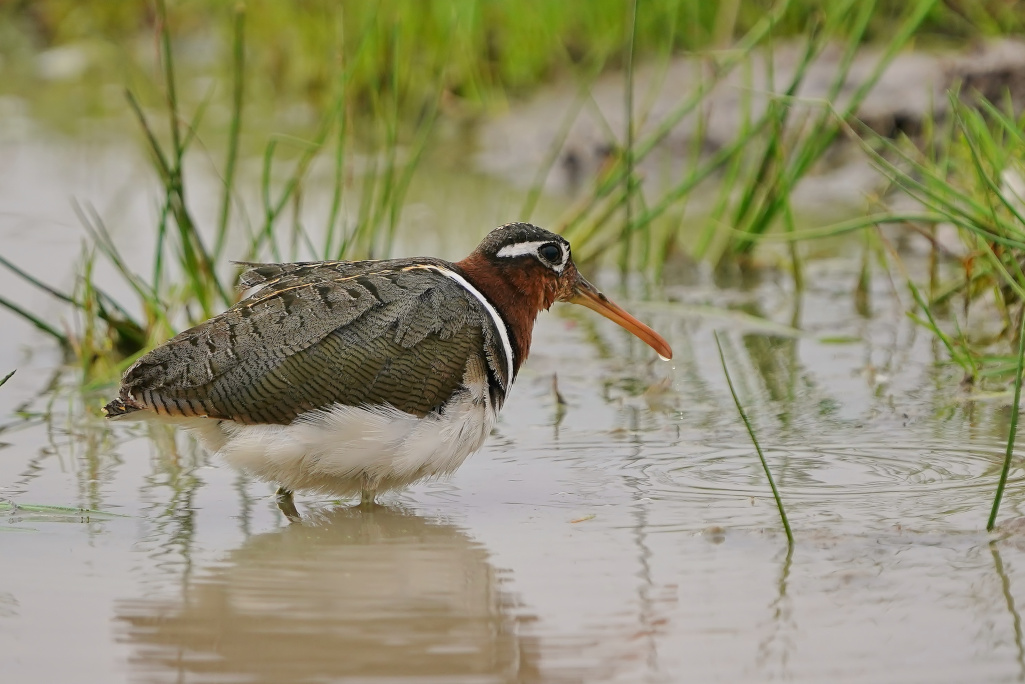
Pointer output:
518, 249
521, 249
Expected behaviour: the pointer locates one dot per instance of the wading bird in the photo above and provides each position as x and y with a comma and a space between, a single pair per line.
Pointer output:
355, 377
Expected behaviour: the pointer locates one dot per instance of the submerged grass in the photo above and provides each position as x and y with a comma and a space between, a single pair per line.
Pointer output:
49, 513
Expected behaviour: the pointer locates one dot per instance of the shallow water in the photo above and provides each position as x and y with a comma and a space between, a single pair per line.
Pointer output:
628, 536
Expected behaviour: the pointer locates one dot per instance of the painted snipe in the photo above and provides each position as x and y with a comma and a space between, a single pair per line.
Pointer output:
346, 377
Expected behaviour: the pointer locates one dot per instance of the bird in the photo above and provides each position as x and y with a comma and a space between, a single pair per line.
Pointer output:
352, 378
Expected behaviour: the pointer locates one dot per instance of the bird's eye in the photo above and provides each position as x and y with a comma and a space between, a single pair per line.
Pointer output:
550, 252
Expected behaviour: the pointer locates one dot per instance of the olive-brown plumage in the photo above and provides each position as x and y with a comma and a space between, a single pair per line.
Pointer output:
348, 376
317, 334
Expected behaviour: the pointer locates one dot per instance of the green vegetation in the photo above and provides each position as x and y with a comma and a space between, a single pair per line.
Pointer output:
46, 513
970, 176
1012, 431
758, 448
188, 281
480, 51
758, 169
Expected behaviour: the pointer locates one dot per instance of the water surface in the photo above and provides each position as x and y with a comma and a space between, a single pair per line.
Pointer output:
626, 536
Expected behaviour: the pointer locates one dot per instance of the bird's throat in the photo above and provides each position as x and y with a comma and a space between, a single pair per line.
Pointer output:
517, 302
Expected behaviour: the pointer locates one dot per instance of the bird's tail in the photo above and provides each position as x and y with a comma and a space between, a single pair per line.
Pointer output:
118, 408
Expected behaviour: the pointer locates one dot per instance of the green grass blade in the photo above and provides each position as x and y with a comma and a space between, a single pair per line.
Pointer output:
758, 448
1013, 430
29, 278
555, 150
234, 128
44, 512
167, 55
962, 359
338, 185
626, 246
154, 145
36, 321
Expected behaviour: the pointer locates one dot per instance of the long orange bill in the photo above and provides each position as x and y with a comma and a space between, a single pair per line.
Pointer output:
585, 294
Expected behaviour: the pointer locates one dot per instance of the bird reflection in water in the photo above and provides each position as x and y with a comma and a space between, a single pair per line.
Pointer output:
347, 594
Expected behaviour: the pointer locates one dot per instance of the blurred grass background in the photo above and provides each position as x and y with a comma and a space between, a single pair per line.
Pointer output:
479, 52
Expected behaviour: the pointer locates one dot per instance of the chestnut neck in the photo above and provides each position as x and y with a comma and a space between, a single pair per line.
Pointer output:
518, 294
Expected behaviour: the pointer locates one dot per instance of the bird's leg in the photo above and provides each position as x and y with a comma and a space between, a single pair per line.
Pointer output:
368, 491
286, 505
366, 499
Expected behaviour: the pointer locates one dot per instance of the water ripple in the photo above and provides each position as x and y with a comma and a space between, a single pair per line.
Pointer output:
869, 478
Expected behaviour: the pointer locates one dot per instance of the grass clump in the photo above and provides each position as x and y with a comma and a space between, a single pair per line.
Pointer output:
189, 279
779, 140
480, 51
969, 179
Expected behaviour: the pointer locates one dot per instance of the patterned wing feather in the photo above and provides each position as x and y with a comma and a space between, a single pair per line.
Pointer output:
317, 334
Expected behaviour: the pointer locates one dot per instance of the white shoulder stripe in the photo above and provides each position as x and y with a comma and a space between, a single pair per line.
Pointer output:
503, 333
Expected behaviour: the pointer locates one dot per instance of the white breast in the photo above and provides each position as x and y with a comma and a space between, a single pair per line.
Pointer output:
345, 450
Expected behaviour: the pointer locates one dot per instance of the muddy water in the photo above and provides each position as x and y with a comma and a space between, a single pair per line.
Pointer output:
626, 536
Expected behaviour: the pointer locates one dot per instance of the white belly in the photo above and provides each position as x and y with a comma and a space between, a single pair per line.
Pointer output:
345, 450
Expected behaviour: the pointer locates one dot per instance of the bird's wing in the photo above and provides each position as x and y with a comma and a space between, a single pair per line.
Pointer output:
317, 334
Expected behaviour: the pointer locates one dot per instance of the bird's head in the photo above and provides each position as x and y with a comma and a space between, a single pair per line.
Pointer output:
530, 268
